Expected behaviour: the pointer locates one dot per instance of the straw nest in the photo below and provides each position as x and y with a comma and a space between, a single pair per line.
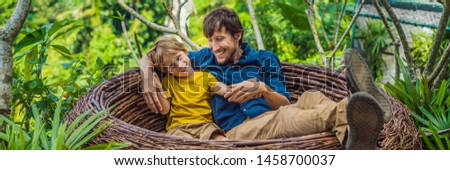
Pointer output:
134, 122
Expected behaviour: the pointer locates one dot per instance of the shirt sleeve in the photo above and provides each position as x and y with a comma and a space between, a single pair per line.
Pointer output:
166, 83
211, 80
273, 74
200, 58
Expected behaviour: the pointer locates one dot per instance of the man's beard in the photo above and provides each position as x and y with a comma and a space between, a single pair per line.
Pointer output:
234, 57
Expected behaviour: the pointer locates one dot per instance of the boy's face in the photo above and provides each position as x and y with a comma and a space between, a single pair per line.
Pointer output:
177, 65
223, 45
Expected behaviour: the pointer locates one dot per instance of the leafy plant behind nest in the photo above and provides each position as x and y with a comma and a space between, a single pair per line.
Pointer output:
61, 136
430, 107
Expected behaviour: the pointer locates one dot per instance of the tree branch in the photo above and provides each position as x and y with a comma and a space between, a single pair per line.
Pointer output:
402, 36
441, 75
159, 27
7, 36
336, 28
322, 26
137, 45
311, 12
15, 23
145, 21
124, 29
391, 34
179, 12
259, 40
187, 40
442, 63
437, 40
347, 30
384, 19
168, 10
338, 23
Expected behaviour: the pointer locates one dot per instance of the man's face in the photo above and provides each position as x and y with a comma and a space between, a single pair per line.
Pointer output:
224, 45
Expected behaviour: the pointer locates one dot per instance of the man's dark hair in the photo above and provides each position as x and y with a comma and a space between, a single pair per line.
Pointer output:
222, 17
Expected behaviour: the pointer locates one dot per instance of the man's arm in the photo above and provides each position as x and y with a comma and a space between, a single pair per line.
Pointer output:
253, 88
272, 88
220, 89
275, 99
149, 86
165, 101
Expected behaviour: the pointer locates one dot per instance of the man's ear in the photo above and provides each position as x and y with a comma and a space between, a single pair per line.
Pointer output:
238, 36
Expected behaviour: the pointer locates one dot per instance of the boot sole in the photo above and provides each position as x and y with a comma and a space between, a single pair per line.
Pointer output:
365, 119
361, 79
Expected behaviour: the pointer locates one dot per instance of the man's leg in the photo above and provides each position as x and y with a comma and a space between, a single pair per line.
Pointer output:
313, 113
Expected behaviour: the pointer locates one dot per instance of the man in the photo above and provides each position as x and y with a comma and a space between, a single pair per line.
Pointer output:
258, 105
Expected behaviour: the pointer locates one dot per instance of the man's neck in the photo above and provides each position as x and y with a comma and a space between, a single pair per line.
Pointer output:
237, 55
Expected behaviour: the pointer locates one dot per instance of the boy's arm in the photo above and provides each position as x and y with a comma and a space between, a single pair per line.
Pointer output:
220, 89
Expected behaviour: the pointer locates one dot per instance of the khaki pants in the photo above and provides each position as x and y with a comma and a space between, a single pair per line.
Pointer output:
313, 113
195, 130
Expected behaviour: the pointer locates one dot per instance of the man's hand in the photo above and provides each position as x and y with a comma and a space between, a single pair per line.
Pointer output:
246, 90
151, 85
151, 90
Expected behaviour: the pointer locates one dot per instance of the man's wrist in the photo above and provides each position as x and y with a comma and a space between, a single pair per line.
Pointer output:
263, 88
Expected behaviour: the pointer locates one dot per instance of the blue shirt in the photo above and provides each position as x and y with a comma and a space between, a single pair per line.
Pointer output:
263, 65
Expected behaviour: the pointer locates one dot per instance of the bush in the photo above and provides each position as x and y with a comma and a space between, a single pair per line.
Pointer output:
430, 107
60, 136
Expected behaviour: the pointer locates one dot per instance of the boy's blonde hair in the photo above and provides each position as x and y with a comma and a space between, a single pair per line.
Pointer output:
165, 46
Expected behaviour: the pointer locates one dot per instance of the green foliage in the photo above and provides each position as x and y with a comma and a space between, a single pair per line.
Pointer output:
282, 32
374, 41
435, 140
421, 47
430, 107
59, 136
6, 10
31, 54
68, 47
298, 19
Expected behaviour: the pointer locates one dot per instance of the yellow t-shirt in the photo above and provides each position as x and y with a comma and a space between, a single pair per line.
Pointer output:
190, 98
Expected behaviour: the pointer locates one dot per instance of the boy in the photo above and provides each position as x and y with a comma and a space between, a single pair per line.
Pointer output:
188, 92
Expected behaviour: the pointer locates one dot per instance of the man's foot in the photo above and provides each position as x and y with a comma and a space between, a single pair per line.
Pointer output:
365, 121
359, 79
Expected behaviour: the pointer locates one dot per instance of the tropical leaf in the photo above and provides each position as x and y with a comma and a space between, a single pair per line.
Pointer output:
62, 50
54, 27
295, 14
110, 145
91, 135
84, 128
63, 136
56, 122
30, 38
436, 137
427, 141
